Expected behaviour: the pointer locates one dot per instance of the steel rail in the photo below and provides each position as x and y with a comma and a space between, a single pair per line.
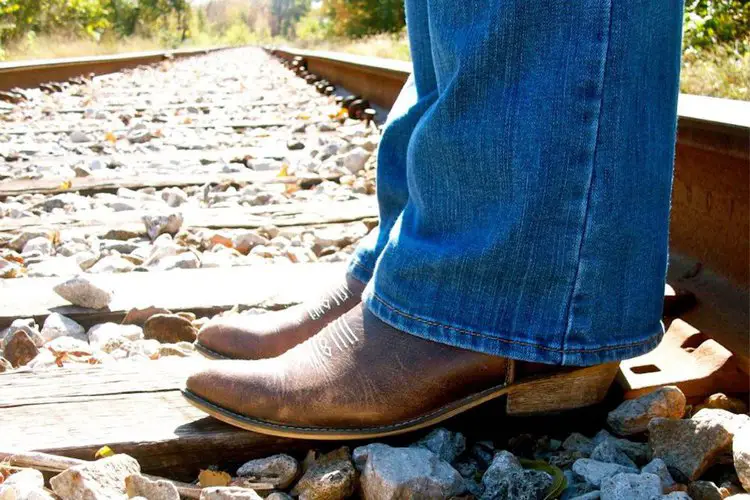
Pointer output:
27, 74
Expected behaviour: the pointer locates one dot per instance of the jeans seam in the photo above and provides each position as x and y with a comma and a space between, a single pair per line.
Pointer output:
356, 263
576, 280
393, 309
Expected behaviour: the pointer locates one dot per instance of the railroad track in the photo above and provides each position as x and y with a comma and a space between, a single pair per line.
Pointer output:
273, 185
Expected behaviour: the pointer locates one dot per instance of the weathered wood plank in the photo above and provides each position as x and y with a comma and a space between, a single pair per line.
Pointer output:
204, 291
88, 185
237, 125
292, 214
271, 151
156, 426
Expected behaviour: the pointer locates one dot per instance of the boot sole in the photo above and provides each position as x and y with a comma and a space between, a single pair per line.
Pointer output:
209, 353
536, 395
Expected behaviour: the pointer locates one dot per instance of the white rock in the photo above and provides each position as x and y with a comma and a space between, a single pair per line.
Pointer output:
56, 325
174, 196
229, 493
79, 137
40, 245
112, 264
278, 470
137, 485
99, 335
59, 267
101, 479
85, 292
20, 241
70, 344
184, 260
355, 160
162, 224
741, 454
27, 484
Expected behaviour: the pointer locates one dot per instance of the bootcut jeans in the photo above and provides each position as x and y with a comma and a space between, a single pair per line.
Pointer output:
524, 179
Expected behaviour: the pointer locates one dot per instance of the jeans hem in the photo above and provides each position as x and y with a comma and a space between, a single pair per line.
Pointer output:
358, 271
501, 344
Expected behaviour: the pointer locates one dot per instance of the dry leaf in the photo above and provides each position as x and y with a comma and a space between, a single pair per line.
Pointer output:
213, 478
343, 114
65, 185
283, 171
303, 116
187, 120
109, 136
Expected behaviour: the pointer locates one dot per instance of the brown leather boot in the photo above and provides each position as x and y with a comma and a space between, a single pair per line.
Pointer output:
361, 378
271, 334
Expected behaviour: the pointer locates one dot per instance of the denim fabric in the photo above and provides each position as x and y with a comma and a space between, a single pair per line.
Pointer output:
524, 179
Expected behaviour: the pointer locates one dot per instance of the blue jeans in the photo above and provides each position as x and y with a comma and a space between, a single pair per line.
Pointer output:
524, 179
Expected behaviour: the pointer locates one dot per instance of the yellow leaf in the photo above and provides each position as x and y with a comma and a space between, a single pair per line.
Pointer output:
103, 452
342, 114
303, 116
109, 136
283, 171
187, 120
65, 185
213, 478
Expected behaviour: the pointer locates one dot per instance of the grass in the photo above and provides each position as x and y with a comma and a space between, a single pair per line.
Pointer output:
719, 72
385, 45
52, 47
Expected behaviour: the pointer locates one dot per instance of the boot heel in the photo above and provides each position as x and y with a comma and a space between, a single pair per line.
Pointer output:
564, 391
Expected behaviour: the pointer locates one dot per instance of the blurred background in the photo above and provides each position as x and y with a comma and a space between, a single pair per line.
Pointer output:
716, 44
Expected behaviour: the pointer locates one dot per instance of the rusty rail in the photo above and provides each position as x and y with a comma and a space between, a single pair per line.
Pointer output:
26, 74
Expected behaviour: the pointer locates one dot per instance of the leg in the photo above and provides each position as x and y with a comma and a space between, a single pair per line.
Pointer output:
419, 93
539, 183
269, 335
535, 231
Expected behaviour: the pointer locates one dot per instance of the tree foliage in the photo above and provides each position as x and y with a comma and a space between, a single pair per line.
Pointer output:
19, 18
357, 18
709, 23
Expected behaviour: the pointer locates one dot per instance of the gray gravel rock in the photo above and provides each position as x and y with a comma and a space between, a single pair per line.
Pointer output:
79, 137
85, 292
608, 451
56, 325
633, 416
640, 453
580, 443
330, 477
137, 485
395, 473
659, 468
278, 470
506, 479
691, 446
445, 444
279, 495
704, 490
631, 487
741, 455
100, 479
676, 495
594, 472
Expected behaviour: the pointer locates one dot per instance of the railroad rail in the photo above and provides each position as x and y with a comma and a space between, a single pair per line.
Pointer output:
25, 74
247, 153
